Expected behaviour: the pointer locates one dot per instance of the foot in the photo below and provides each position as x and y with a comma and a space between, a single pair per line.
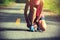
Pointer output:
32, 28
39, 29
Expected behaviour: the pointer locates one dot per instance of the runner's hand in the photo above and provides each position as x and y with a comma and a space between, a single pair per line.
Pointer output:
37, 20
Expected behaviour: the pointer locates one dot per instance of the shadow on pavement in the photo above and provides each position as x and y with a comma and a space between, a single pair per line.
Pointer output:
13, 29
20, 1
54, 38
11, 17
11, 8
53, 18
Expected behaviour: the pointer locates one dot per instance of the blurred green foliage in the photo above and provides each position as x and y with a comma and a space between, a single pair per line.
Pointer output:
52, 5
5, 2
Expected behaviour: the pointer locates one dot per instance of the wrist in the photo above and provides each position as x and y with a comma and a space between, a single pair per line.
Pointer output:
37, 20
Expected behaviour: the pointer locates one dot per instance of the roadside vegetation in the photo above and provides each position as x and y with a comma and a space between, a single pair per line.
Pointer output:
51, 5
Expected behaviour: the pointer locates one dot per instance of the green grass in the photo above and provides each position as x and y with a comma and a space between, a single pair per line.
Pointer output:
6, 2
52, 5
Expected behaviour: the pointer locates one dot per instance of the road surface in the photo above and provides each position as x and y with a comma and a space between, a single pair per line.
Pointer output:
9, 30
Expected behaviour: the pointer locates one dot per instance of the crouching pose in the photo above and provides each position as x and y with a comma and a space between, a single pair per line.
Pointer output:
35, 18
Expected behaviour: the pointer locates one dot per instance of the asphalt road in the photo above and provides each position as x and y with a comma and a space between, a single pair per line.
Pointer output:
9, 30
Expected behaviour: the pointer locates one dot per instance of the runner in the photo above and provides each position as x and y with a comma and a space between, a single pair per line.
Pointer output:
35, 19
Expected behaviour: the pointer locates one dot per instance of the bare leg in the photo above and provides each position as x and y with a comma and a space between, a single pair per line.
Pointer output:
33, 15
42, 23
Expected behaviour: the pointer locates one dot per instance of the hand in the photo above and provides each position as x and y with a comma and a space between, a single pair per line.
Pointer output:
37, 20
